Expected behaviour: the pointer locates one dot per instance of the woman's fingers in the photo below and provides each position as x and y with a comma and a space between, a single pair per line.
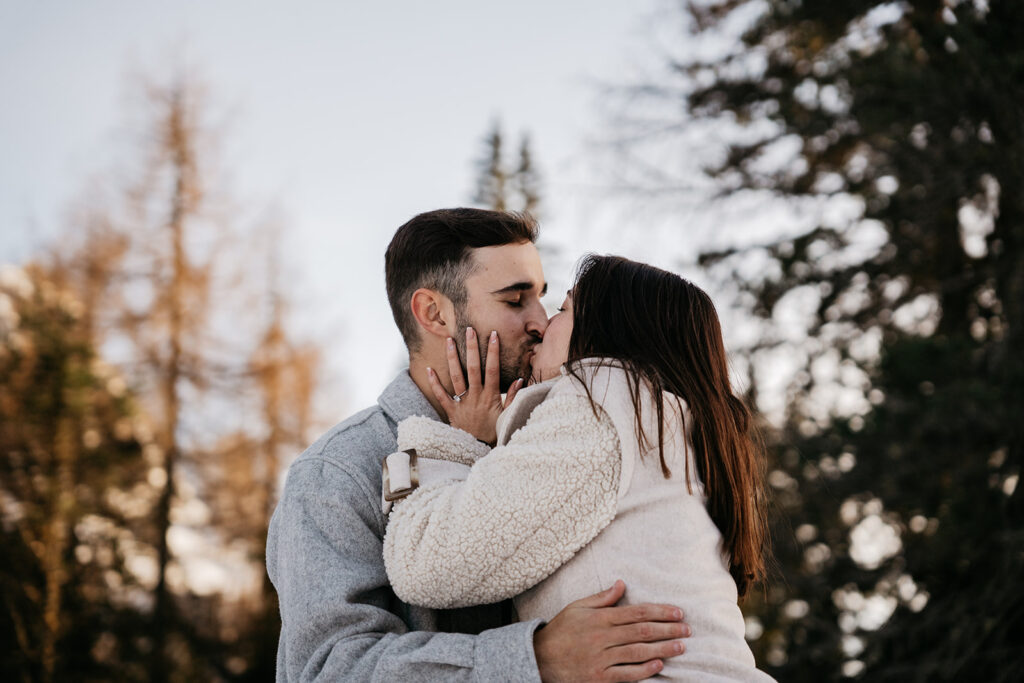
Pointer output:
512, 391
492, 370
472, 358
440, 393
455, 368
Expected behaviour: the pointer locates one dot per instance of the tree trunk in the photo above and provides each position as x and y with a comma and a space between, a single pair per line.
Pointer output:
163, 611
55, 543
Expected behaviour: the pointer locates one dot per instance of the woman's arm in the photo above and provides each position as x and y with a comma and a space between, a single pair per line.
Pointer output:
523, 511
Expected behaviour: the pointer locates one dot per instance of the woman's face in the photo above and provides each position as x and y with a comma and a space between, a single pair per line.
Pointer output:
551, 353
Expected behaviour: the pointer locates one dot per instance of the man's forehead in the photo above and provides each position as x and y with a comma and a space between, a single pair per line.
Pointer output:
507, 268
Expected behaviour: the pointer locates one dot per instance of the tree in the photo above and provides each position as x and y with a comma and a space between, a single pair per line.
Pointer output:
166, 323
527, 180
171, 327
886, 139
502, 186
73, 490
210, 395
281, 376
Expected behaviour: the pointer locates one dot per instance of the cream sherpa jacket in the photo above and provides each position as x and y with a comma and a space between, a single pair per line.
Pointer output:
534, 519
549, 491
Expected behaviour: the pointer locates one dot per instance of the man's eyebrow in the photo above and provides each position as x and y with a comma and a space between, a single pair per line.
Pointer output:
521, 287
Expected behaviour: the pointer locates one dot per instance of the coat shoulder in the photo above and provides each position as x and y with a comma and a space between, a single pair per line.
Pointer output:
356, 445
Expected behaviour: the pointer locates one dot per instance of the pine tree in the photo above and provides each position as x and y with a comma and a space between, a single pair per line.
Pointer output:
527, 181
505, 186
897, 128
492, 178
72, 445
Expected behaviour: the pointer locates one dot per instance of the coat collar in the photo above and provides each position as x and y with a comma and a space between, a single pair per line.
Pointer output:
515, 416
402, 399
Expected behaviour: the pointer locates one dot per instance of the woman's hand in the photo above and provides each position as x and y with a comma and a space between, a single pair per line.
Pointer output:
475, 408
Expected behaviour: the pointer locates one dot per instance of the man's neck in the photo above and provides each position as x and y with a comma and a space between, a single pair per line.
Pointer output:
418, 372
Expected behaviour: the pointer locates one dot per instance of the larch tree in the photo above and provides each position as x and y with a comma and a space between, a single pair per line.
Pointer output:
214, 394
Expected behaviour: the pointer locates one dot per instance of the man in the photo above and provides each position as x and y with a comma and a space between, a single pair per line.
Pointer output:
445, 271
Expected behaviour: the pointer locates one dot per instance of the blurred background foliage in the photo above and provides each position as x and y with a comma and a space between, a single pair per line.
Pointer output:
151, 393
895, 134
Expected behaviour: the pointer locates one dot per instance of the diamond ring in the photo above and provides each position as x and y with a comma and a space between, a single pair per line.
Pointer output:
458, 397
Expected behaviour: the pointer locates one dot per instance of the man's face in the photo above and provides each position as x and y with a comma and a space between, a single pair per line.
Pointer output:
503, 291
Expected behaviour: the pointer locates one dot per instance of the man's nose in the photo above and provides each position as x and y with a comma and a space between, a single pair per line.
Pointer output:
538, 320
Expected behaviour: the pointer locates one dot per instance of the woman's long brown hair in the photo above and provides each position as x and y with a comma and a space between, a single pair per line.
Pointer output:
664, 330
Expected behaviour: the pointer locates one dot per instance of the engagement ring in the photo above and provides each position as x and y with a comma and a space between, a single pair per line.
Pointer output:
458, 397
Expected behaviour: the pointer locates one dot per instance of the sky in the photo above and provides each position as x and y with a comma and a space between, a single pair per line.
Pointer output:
342, 119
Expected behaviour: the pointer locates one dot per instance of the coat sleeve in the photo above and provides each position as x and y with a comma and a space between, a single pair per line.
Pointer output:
524, 510
339, 617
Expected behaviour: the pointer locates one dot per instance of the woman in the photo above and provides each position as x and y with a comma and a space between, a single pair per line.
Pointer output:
631, 458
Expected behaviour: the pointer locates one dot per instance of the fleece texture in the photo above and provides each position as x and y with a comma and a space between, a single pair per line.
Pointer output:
538, 513
459, 543
436, 440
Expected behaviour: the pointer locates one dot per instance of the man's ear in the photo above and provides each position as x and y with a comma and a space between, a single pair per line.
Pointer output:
434, 312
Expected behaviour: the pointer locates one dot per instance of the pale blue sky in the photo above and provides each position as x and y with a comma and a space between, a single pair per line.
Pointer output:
349, 117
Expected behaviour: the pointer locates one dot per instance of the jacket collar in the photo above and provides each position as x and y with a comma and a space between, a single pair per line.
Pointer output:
402, 399
515, 416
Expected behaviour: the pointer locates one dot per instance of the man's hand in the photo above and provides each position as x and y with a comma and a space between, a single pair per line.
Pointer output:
591, 640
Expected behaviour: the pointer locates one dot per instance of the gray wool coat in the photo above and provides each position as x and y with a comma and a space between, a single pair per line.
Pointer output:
340, 618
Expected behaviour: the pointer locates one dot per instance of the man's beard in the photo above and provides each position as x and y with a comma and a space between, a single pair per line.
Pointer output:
514, 363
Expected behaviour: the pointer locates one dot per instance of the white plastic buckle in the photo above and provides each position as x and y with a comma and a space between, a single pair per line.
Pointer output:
401, 475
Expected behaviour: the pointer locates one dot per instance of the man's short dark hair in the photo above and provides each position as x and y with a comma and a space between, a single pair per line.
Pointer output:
433, 250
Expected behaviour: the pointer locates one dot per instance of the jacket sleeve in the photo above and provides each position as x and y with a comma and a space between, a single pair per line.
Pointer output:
524, 510
324, 557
